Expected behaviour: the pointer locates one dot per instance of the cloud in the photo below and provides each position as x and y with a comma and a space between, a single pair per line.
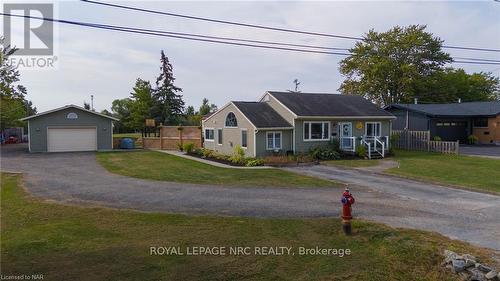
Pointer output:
106, 64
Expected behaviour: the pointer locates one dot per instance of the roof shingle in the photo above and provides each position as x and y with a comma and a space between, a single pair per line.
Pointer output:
261, 114
312, 104
486, 108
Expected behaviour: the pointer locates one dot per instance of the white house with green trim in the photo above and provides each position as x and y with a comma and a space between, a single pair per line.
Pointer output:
285, 122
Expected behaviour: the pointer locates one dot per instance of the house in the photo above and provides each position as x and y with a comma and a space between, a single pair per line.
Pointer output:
69, 128
451, 121
285, 122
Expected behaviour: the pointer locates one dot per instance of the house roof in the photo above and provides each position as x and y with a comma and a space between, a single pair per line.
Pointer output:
468, 109
329, 105
261, 114
65, 107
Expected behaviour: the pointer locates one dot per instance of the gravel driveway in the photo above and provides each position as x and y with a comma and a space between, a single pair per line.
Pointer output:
77, 178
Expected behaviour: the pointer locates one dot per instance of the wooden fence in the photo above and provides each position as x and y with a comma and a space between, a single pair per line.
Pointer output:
420, 140
171, 137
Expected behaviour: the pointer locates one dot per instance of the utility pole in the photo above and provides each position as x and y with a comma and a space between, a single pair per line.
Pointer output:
92, 102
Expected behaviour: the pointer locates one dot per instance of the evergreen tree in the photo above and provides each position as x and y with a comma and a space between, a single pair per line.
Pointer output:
167, 103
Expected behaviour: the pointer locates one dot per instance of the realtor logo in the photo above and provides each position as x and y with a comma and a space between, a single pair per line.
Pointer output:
31, 37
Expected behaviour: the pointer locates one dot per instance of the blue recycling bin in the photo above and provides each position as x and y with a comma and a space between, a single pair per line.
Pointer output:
127, 143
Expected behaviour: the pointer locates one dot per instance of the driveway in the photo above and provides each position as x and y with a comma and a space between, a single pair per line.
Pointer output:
480, 150
76, 178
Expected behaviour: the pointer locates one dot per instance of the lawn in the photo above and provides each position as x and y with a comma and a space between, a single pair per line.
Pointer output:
74, 243
161, 166
471, 172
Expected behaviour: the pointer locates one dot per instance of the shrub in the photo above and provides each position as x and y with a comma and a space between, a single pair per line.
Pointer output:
472, 139
179, 146
394, 139
436, 138
254, 162
324, 153
207, 153
361, 151
188, 147
238, 156
335, 145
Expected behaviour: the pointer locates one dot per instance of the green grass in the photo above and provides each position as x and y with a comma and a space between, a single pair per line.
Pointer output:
73, 243
471, 172
128, 135
355, 163
161, 166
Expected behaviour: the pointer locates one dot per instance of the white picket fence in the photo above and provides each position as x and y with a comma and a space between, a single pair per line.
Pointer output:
420, 140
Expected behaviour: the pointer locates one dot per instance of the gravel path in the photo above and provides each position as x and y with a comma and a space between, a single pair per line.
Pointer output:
77, 178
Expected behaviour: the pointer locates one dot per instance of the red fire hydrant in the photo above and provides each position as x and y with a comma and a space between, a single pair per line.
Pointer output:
347, 200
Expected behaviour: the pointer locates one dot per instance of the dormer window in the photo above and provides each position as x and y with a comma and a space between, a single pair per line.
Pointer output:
231, 120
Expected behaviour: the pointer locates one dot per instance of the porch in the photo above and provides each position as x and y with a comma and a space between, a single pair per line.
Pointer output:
376, 146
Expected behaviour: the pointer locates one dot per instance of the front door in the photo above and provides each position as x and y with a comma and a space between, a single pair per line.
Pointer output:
345, 134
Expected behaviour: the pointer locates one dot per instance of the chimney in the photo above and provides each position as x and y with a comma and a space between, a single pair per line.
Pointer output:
416, 100
459, 100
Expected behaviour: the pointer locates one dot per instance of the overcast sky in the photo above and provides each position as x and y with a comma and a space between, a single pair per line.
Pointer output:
106, 63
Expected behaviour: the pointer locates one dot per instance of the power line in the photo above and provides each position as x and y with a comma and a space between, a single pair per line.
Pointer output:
262, 26
189, 36
125, 29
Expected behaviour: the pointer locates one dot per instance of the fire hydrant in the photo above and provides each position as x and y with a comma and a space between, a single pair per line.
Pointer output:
347, 200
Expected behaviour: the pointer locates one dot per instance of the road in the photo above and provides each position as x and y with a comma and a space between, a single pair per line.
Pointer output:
76, 178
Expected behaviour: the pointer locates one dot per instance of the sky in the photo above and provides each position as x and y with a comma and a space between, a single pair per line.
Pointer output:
106, 64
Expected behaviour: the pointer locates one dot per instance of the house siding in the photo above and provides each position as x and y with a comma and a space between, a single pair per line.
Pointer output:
283, 111
286, 142
416, 121
231, 137
490, 134
38, 127
303, 146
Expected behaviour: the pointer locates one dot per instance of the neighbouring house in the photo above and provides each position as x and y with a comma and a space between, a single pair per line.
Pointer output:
69, 128
287, 122
451, 121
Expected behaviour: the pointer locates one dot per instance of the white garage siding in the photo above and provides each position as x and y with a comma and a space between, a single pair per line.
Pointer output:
71, 139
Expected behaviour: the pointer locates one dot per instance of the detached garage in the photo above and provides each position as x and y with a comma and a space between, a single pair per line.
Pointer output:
70, 128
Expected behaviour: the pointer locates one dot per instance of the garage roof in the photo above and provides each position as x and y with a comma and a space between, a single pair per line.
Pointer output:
65, 107
469, 109
262, 115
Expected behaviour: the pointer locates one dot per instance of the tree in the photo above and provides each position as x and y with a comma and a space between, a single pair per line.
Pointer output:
141, 102
206, 107
13, 102
450, 85
121, 109
167, 103
384, 67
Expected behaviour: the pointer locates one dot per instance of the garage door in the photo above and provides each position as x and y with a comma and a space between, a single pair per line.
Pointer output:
452, 131
71, 139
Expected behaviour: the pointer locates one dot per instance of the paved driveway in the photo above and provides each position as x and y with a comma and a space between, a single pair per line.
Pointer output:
480, 150
76, 178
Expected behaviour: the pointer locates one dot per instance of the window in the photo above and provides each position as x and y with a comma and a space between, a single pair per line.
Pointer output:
209, 134
373, 129
231, 120
72, 115
316, 130
244, 138
273, 140
481, 123
219, 136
